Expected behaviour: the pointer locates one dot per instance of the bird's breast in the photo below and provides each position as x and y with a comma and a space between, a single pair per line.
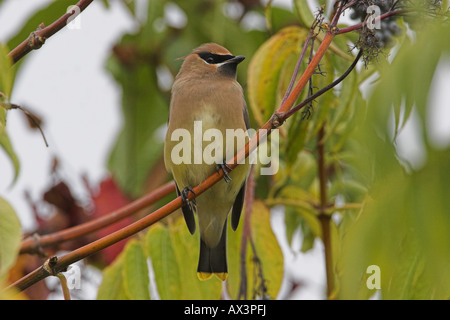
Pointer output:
212, 116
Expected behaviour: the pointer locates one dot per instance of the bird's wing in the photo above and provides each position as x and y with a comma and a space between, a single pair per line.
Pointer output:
188, 214
246, 118
237, 207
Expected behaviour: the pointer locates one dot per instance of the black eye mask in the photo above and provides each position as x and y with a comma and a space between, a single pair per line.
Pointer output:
212, 58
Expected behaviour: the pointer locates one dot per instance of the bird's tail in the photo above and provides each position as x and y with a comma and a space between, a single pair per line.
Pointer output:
213, 260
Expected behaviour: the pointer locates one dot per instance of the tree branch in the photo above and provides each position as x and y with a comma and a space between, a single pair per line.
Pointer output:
324, 218
37, 38
364, 23
289, 113
35, 243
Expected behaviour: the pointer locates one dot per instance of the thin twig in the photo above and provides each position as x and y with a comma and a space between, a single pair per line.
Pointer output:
32, 119
323, 90
324, 218
246, 234
64, 287
35, 243
379, 18
307, 112
37, 38
311, 35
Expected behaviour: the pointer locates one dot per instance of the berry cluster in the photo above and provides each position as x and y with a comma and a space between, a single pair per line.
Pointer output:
381, 34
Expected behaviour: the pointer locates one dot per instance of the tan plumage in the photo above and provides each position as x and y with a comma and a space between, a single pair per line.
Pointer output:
206, 90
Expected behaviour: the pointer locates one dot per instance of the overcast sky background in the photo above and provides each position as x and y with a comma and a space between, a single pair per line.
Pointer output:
61, 83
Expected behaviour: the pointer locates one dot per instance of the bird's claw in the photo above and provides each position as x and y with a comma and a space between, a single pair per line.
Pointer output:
185, 196
225, 168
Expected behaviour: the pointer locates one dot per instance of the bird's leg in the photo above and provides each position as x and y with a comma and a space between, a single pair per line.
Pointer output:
225, 168
184, 196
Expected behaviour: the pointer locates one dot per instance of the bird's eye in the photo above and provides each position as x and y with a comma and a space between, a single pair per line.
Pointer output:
210, 60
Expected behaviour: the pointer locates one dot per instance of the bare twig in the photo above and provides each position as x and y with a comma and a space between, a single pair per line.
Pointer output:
324, 218
64, 287
379, 18
311, 35
35, 243
37, 38
246, 234
32, 119
323, 90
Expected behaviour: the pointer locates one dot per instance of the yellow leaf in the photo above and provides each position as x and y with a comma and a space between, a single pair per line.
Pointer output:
135, 272
187, 250
263, 261
111, 287
270, 71
10, 237
159, 248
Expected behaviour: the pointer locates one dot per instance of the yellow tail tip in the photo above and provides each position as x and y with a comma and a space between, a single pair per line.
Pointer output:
204, 275
207, 275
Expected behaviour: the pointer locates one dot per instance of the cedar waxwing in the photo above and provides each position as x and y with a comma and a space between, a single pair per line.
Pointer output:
205, 92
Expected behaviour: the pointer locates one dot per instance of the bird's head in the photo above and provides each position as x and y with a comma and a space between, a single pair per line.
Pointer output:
210, 59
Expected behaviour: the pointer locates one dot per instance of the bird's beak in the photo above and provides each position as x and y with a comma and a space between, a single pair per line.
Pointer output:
236, 60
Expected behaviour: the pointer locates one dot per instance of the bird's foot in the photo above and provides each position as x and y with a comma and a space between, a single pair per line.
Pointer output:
185, 196
225, 168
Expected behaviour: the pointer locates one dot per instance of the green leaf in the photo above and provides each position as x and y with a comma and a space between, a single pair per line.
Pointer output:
6, 83
300, 213
6, 73
8, 148
112, 286
138, 146
10, 237
405, 231
264, 261
186, 248
158, 246
281, 18
404, 227
270, 71
268, 15
174, 256
292, 221
304, 13
135, 272
267, 248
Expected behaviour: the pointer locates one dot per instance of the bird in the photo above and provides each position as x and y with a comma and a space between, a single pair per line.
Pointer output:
205, 91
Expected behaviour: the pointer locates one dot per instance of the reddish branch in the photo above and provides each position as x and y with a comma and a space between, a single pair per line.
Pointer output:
324, 218
379, 18
35, 243
37, 38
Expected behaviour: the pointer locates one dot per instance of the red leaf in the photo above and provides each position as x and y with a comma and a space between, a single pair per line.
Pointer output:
107, 199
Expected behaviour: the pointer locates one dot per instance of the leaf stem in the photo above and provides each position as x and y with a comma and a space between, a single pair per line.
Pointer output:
324, 218
65, 288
